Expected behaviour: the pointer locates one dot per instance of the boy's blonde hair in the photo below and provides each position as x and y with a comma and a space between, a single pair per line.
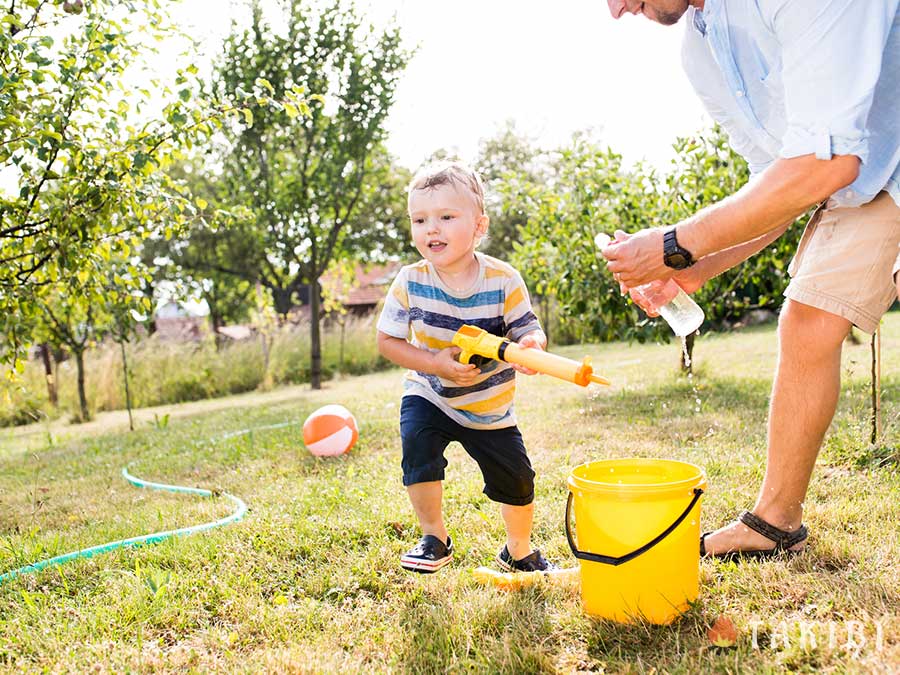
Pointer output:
449, 173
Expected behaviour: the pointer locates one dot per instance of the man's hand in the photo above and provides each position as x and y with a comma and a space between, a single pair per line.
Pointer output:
535, 340
638, 258
689, 280
447, 367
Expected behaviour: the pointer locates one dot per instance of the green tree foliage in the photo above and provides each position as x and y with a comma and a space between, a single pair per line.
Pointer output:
77, 316
589, 191
507, 156
380, 230
85, 172
304, 171
705, 171
190, 265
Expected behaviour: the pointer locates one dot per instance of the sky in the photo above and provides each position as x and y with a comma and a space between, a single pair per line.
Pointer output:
553, 68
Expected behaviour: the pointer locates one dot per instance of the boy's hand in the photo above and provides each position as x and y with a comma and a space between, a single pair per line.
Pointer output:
447, 367
535, 340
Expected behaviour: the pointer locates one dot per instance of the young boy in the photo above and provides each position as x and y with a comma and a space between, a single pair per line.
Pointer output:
445, 400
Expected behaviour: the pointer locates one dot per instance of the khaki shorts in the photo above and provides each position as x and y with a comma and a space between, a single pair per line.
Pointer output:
846, 260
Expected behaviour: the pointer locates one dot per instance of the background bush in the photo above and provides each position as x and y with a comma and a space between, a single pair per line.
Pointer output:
588, 190
163, 372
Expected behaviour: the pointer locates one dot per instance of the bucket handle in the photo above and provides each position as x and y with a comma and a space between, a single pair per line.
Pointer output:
610, 560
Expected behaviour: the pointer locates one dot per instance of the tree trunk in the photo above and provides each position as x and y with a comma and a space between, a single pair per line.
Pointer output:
264, 341
341, 357
282, 299
151, 320
544, 303
687, 353
127, 388
315, 337
48, 374
82, 396
215, 323
263, 336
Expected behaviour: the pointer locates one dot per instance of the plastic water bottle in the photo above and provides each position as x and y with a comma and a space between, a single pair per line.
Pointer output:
683, 315
679, 310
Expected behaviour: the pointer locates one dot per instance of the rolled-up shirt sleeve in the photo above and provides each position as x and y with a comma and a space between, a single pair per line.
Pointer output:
831, 62
395, 319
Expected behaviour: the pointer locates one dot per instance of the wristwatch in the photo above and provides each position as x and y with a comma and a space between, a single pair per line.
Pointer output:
675, 256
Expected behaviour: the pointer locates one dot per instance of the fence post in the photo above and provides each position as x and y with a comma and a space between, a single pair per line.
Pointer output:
876, 386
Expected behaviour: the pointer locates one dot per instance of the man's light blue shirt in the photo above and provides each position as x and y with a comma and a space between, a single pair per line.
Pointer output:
794, 77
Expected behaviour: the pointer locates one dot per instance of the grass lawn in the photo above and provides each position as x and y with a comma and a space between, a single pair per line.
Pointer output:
310, 580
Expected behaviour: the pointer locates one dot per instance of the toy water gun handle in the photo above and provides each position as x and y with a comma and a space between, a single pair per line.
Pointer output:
472, 340
513, 581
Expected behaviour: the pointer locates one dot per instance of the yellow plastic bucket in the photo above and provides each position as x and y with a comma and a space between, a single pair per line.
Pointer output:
637, 523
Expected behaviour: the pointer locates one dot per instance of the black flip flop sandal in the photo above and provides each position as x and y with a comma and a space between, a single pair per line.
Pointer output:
784, 540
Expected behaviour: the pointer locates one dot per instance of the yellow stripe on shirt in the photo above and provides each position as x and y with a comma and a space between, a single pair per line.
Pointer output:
423, 339
512, 300
499, 401
493, 272
399, 291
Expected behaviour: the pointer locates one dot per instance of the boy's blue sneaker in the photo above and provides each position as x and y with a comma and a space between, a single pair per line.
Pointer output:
533, 562
428, 556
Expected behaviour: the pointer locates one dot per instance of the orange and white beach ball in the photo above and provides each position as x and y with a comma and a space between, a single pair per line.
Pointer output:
330, 430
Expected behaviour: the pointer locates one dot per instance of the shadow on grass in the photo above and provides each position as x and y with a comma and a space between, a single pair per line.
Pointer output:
618, 645
503, 633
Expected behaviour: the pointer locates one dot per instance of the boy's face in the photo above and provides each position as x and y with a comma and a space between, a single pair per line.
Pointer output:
446, 225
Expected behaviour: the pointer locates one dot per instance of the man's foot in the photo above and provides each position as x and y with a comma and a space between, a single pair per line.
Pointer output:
533, 562
750, 536
428, 556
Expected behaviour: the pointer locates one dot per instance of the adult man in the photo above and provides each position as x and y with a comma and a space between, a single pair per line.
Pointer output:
809, 93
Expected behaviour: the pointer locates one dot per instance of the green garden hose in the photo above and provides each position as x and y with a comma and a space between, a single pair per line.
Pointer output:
132, 542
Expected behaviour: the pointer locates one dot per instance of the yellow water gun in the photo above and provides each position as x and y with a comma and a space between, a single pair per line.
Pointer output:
513, 581
474, 341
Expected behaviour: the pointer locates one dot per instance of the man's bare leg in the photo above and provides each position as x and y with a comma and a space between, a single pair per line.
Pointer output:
804, 398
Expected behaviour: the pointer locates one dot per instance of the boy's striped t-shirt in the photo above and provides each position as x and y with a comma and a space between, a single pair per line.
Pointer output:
425, 311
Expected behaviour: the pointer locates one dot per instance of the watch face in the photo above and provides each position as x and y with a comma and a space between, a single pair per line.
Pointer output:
676, 261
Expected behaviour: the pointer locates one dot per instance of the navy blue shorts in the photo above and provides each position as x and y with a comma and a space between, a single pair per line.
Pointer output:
425, 432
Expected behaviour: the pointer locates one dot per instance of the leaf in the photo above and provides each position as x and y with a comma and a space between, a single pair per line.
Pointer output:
265, 84
248, 116
722, 633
